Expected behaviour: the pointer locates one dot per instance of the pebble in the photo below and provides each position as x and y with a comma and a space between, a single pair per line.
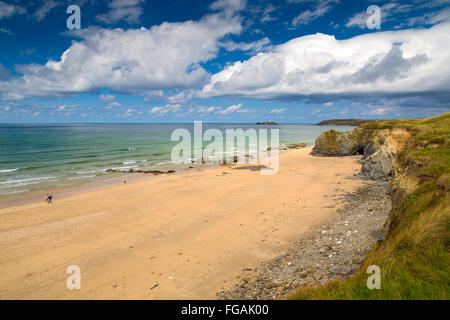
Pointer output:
334, 251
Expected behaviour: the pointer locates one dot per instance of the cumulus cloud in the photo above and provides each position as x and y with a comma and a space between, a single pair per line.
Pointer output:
231, 109
429, 18
320, 8
203, 109
386, 10
168, 108
126, 10
278, 110
46, 7
406, 62
228, 6
166, 56
266, 16
8, 10
219, 110
107, 97
254, 46
378, 111
12, 96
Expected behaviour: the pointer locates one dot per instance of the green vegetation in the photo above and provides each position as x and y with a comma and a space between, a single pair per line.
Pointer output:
415, 257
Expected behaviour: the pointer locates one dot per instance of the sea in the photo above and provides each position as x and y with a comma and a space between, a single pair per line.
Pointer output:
38, 157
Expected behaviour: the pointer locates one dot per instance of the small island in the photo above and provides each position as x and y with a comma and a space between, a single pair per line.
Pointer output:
267, 123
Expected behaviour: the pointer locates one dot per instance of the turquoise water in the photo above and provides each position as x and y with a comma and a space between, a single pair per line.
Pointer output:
35, 157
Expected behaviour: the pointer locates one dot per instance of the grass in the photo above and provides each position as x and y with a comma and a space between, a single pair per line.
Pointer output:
415, 257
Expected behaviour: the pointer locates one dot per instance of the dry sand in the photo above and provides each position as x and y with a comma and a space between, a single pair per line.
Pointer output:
190, 234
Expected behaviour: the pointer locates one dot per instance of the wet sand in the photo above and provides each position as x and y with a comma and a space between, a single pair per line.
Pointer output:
180, 236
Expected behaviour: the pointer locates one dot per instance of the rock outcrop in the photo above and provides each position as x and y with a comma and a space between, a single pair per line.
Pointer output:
271, 123
379, 155
379, 148
335, 143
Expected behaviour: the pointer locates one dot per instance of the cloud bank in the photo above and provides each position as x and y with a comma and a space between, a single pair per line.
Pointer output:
165, 56
392, 63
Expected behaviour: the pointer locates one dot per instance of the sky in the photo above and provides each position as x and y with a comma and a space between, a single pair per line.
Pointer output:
225, 61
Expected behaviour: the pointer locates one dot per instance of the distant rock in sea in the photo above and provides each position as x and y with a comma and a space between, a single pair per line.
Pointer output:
343, 122
268, 123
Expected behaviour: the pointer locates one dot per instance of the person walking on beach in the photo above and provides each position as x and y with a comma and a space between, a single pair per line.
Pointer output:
49, 198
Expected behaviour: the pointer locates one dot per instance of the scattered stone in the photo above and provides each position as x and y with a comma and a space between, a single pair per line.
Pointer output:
297, 145
332, 251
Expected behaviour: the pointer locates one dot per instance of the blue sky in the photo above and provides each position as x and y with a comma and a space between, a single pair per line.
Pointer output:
292, 61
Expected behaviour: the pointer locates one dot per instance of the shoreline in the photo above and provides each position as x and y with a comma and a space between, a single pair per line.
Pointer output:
116, 178
100, 183
187, 234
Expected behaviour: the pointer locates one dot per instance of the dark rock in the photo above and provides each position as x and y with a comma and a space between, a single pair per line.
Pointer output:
267, 123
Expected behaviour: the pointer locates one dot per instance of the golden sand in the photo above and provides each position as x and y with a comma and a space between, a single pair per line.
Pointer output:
190, 234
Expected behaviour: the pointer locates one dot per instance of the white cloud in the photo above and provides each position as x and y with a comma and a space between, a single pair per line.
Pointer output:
429, 18
307, 16
394, 62
230, 109
278, 110
181, 96
153, 94
387, 11
126, 10
166, 56
12, 96
266, 17
8, 10
358, 20
228, 6
168, 108
203, 109
107, 97
61, 108
46, 7
6, 108
320, 9
378, 111
255, 46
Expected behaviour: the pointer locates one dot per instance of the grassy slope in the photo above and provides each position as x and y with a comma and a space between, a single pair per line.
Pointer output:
415, 258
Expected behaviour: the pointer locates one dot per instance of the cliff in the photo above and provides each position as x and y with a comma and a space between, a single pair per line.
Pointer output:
414, 155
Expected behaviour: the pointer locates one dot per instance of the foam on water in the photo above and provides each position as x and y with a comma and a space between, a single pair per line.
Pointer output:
10, 170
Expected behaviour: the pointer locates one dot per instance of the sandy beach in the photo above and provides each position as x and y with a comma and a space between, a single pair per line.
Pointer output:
182, 236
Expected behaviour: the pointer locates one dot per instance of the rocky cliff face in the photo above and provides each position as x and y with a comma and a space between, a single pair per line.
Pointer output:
380, 150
